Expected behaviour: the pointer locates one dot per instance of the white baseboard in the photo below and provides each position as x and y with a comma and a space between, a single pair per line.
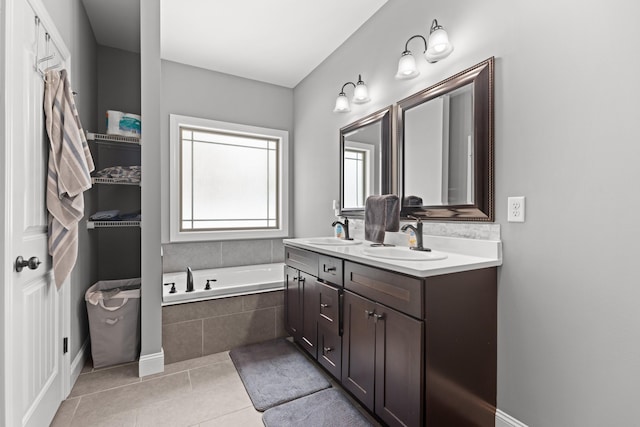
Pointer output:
150, 364
78, 362
506, 420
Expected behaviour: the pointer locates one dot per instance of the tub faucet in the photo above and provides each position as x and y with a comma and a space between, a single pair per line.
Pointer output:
189, 280
418, 230
345, 227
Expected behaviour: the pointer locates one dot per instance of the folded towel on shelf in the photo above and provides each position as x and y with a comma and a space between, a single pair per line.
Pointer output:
105, 215
381, 214
120, 173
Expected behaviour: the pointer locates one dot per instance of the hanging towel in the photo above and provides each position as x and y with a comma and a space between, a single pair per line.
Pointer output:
70, 164
381, 213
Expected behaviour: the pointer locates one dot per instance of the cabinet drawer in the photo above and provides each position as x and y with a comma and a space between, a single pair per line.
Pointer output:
302, 260
394, 290
329, 306
330, 351
330, 270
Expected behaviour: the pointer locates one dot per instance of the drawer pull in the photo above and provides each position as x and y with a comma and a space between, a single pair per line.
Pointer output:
328, 270
323, 305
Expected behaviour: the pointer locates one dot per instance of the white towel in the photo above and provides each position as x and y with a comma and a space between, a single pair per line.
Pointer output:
70, 165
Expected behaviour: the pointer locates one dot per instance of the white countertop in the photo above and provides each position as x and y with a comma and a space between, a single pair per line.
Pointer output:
462, 255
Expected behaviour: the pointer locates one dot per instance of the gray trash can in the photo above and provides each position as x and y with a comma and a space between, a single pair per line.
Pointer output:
113, 308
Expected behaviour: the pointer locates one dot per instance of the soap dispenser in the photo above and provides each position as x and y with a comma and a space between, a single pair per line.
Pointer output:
339, 233
412, 239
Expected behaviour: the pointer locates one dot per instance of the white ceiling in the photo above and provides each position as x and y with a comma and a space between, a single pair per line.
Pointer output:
276, 41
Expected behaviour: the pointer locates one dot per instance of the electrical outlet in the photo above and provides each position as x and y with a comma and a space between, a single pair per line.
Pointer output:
516, 209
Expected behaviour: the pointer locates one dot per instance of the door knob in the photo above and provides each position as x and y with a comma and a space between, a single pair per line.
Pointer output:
32, 263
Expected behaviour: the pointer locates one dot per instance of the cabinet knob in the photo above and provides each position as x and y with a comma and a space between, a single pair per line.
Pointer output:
326, 350
302, 279
295, 278
323, 305
368, 314
328, 270
377, 317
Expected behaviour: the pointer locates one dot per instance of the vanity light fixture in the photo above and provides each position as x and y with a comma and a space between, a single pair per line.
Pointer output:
360, 96
437, 47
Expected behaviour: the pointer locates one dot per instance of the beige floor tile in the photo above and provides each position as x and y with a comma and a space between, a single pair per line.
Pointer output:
215, 377
123, 419
248, 417
105, 379
185, 365
65, 413
97, 406
194, 408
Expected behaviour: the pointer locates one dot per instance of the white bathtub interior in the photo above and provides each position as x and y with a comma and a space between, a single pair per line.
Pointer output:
225, 282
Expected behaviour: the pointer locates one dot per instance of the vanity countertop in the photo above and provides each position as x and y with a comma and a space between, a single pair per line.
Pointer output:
462, 255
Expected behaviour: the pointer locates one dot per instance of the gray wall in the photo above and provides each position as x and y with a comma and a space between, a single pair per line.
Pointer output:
568, 348
73, 24
196, 92
118, 83
151, 298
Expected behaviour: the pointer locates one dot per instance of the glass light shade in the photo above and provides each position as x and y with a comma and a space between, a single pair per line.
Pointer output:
407, 68
361, 93
438, 46
342, 104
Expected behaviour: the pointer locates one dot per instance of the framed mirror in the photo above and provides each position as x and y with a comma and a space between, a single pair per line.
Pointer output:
365, 161
445, 148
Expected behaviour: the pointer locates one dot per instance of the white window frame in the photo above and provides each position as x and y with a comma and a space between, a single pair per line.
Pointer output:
282, 136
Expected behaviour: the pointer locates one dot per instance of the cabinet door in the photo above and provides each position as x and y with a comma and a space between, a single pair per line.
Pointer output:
399, 367
358, 348
330, 351
292, 303
310, 305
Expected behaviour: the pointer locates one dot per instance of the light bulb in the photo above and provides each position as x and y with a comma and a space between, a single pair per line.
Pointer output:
361, 93
407, 68
342, 104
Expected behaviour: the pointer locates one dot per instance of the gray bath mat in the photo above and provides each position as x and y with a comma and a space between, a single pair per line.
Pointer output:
326, 408
275, 372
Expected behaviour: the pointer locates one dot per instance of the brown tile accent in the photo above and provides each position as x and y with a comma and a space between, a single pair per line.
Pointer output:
262, 300
182, 341
200, 310
226, 332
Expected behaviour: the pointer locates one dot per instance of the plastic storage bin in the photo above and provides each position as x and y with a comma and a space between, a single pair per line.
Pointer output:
113, 307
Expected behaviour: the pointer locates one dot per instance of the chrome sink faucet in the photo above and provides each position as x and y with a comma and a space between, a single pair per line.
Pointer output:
418, 230
189, 280
345, 227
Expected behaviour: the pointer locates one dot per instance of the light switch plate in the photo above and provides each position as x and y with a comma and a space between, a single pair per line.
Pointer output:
516, 209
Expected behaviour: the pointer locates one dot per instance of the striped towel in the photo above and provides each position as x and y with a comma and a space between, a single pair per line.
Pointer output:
70, 164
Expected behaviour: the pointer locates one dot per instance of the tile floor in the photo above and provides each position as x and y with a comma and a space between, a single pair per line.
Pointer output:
203, 392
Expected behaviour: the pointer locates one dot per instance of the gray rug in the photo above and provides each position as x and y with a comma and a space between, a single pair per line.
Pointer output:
275, 372
326, 408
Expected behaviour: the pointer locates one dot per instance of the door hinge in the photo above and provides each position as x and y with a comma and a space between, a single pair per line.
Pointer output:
65, 345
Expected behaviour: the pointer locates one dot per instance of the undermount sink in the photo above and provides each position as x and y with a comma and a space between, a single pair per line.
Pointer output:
403, 254
332, 241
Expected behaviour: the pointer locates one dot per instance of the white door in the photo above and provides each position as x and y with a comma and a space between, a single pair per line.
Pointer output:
35, 367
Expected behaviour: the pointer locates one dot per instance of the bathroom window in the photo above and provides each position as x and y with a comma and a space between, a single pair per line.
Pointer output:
228, 181
358, 174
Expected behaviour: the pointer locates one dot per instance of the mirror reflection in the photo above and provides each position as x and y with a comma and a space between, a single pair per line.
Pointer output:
364, 158
445, 148
438, 151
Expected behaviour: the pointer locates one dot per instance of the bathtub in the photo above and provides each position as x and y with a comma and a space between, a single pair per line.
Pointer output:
226, 282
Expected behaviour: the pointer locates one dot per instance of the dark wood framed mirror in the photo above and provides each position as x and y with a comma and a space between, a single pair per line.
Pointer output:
365, 161
445, 137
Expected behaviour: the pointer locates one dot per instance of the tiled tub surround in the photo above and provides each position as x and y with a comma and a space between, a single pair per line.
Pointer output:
204, 255
197, 329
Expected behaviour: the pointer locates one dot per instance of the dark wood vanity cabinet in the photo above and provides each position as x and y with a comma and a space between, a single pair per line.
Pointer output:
414, 351
312, 307
382, 348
